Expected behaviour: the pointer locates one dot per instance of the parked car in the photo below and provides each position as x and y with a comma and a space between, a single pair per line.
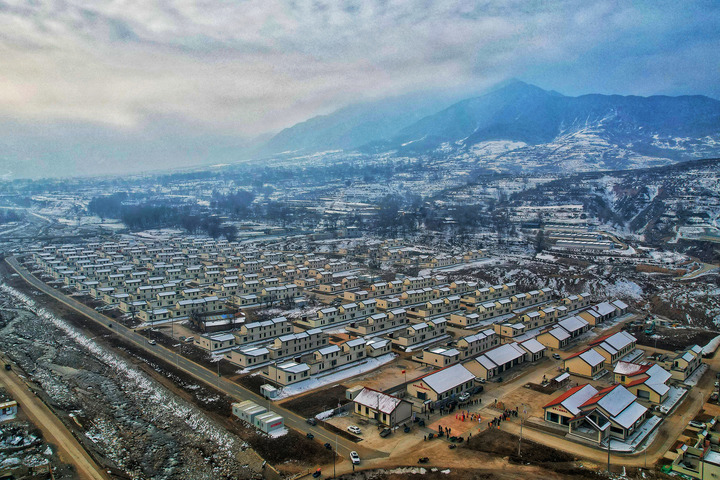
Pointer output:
354, 457
464, 397
556, 356
354, 429
311, 421
695, 424
498, 379
385, 432
423, 460
317, 473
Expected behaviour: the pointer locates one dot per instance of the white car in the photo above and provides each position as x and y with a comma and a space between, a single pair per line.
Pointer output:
354, 429
354, 457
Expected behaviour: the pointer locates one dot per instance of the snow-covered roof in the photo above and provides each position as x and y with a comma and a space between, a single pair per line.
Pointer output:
355, 342
505, 353
604, 308
613, 400
574, 398
658, 377
559, 333
630, 415
255, 351
629, 368
608, 348
376, 344
592, 357
446, 352
533, 346
620, 304
328, 350
620, 340
377, 400
572, 324
448, 378
293, 367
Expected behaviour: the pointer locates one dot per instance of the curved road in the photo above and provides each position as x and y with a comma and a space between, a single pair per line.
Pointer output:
53, 429
197, 371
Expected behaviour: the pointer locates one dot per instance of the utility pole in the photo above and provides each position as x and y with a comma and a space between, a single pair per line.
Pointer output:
522, 420
609, 437
335, 456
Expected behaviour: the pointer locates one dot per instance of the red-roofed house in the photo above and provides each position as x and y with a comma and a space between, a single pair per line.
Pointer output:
565, 407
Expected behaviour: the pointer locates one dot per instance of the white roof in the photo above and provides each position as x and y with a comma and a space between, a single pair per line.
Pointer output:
222, 337
627, 368
533, 346
620, 304
255, 351
377, 400
573, 402
446, 352
355, 342
658, 378
572, 324
559, 333
620, 340
592, 357
630, 415
616, 400
604, 308
329, 350
448, 378
293, 367
375, 344
505, 353
608, 348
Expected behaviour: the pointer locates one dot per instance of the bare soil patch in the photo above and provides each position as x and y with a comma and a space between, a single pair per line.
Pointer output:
316, 402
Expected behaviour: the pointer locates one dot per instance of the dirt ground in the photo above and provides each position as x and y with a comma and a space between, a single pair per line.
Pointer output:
390, 374
674, 339
317, 401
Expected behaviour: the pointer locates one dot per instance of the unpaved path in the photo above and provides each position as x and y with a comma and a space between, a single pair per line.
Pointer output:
52, 428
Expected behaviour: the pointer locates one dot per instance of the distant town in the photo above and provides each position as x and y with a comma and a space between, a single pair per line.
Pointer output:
548, 334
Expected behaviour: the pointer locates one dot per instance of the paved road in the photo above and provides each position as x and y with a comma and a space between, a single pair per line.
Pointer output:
53, 429
197, 371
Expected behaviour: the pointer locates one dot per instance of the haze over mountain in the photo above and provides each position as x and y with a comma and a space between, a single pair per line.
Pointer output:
356, 125
519, 119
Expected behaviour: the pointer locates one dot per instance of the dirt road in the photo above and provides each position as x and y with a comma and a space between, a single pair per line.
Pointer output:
52, 428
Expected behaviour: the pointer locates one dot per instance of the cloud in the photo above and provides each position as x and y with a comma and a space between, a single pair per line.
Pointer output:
246, 67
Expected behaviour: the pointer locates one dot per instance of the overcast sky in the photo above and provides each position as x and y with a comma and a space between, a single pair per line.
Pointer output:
81, 79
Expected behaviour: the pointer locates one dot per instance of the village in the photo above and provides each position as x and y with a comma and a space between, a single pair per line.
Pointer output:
389, 361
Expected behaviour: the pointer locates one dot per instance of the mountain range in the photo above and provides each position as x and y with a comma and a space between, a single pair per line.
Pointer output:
518, 126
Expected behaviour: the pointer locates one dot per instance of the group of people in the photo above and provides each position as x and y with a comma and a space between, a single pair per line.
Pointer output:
507, 413
465, 415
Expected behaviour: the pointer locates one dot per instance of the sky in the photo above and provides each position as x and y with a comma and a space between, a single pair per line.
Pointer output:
97, 86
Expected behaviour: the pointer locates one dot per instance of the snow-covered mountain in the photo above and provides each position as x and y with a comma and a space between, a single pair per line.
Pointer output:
522, 127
